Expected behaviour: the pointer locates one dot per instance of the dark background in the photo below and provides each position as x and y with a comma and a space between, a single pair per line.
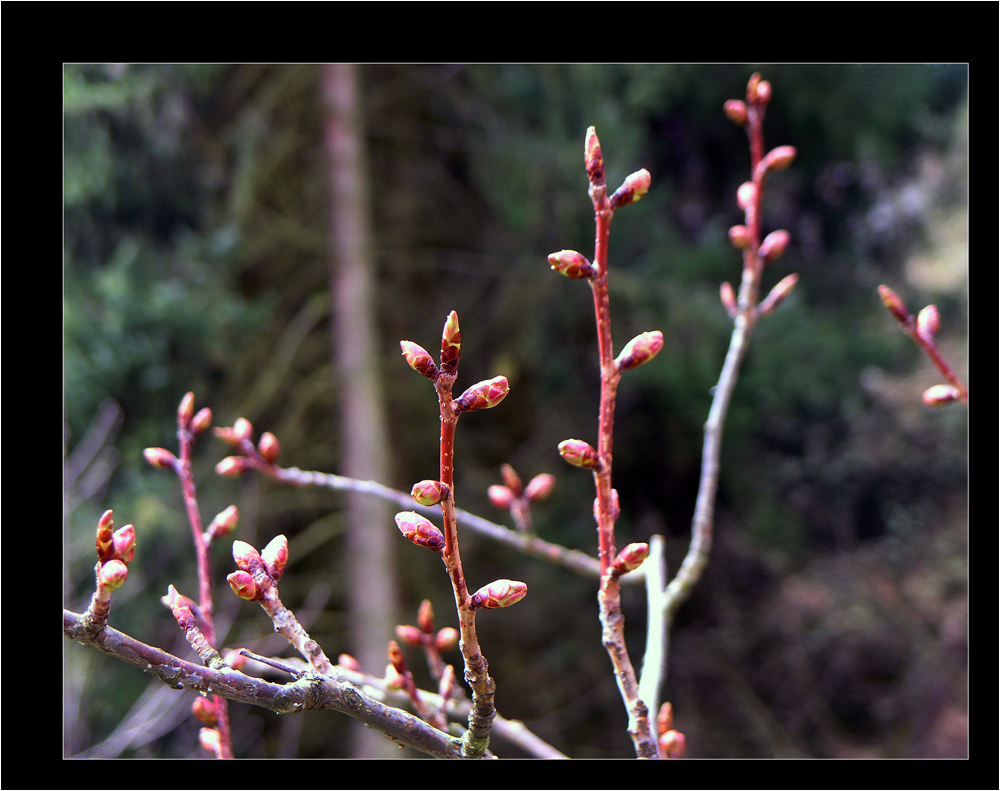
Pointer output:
832, 619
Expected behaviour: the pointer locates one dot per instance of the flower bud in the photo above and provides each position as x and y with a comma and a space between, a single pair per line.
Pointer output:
894, 304
348, 662
396, 656
242, 428
105, 536
500, 593
209, 740
616, 510
124, 543
540, 487
410, 635
763, 93
224, 523
204, 710
572, 264
672, 744
245, 555
483, 395
243, 585
641, 349
500, 496
778, 158
774, 245
425, 616
418, 358
446, 640
938, 395
112, 574
777, 295
202, 420
928, 323
233, 659
394, 680
447, 685
665, 719
752, 84
728, 297
451, 344
593, 158
631, 558
186, 409
269, 447
739, 236
746, 194
232, 466
429, 492
160, 457
511, 479
275, 557
579, 454
736, 111
636, 185
420, 531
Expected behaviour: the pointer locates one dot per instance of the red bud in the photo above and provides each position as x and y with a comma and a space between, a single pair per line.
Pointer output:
418, 358
451, 344
593, 158
636, 185
483, 395
500, 593
540, 487
243, 585
777, 295
745, 195
728, 297
579, 454
275, 557
243, 429
429, 492
739, 236
774, 245
224, 523
420, 530
736, 111
631, 558
410, 635
202, 420
245, 555
425, 616
446, 640
204, 710
232, 466
124, 543
500, 496
186, 409
269, 447
894, 304
112, 575
160, 457
939, 395
572, 264
928, 323
641, 349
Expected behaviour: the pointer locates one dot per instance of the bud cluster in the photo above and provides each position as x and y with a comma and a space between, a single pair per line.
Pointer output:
514, 497
258, 571
671, 742
115, 550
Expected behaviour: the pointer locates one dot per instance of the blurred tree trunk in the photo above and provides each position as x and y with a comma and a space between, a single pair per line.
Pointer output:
370, 556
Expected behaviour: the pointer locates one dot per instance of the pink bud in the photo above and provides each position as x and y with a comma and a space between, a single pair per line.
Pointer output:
420, 531
275, 557
763, 93
572, 264
774, 245
779, 158
593, 158
451, 344
641, 349
894, 304
752, 88
232, 466
938, 395
410, 635
243, 429
631, 558
396, 656
105, 536
269, 447
501, 593
616, 510
736, 111
500, 496
112, 575
540, 487
483, 395
511, 479
186, 409
204, 710
447, 685
202, 420
636, 185
224, 523
160, 457
739, 235
209, 740
665, 719
429, 492
418, 358
446, 639
579, 454
243, 585
425, 616
233, 659
348, 662
672, 744
746, 194
394, 680
777, 295
728, 297
928, 323
124, 541
245, 555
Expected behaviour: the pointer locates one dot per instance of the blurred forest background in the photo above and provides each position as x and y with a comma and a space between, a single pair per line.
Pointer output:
832, 619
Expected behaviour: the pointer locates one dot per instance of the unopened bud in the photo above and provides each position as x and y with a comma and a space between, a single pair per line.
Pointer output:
418, 358
778, 158
245, 555
410, 635
160, 457
202, 420
500, 593
511, 479
275, 557
752, 84
636, 185
420, 530
232, 466
209, 740
483, 395
728, 297
124, 541
672, 744
894, 304
425, 616
112, 574
572, 264
451, 344
616, 510
204, 710
105, 536
631, 558
348, 662
665, 719
641, 349
763, 93
224, 523
242, 428
396, 656
579, 454
774, 245
736, 111
394, 680
243, 585
540, 487
429, 492
447, 685
777, 295
446, 639
739, 235
186, 409
233, 659
500, 496
269, 447
593, 158
928, 323
938, 395
746, 194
